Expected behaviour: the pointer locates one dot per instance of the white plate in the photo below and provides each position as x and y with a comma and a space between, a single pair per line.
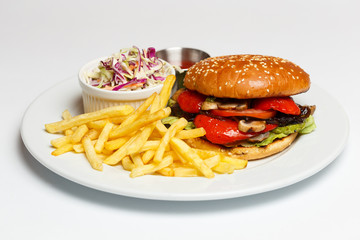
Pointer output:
305, 157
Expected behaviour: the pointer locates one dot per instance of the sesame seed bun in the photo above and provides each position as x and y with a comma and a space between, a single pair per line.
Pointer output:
247, 76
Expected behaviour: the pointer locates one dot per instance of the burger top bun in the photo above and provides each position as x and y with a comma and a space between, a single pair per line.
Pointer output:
247, 76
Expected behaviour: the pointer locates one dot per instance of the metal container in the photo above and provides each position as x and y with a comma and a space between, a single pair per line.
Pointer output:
182, 59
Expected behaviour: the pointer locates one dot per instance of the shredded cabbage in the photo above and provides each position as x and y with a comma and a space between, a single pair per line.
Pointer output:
129, 69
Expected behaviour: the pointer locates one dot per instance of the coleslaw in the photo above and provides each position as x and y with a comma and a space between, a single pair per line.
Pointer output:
129, 69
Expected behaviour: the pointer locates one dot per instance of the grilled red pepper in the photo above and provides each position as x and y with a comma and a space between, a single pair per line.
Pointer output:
255, 113
191, 101
225, 131
281, 104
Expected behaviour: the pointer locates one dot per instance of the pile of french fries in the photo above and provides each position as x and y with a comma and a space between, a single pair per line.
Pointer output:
137, 140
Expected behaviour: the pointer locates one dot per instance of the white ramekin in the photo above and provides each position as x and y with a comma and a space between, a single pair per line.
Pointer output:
95, 98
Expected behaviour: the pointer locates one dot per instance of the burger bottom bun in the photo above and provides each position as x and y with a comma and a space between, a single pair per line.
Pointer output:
246, 153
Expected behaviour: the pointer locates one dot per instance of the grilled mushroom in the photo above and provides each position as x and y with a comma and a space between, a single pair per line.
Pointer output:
207, 105
238, 105
259, 137
251, 126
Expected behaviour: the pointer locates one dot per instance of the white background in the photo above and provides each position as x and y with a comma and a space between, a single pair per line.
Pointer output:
44, 42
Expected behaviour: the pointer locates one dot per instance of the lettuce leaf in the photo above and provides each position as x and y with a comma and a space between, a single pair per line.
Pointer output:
171, 119
280, 132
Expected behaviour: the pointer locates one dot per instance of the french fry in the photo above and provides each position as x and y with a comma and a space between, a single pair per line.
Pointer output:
224, 167
58, 142
140, 139
136, 158
177, 164
180, 158
78, 120
127, 164
98, 124
119, 154
185, 172
150, 168
192, 133
206, 153
103, 137
66, 114
236, 162
69, 132
174, 128
212, 161
172, 153
102, 156
79, 133
107, 152
116, 143
94, 160
147, 156
160, 127
92, 134
137, 113
79, 148
117, 120
167, 171
147, 131
63, 149
139, 123
156, 104
166, 90
150, 145
190, 156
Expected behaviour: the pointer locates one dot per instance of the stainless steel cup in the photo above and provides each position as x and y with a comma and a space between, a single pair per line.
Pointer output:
178, 56
182, 58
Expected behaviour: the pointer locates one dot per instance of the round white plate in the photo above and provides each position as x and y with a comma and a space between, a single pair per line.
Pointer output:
306, 156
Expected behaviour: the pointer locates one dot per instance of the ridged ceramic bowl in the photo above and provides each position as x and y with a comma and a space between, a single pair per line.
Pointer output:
96, 98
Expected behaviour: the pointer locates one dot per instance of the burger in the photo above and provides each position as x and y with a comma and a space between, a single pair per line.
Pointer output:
245, 104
